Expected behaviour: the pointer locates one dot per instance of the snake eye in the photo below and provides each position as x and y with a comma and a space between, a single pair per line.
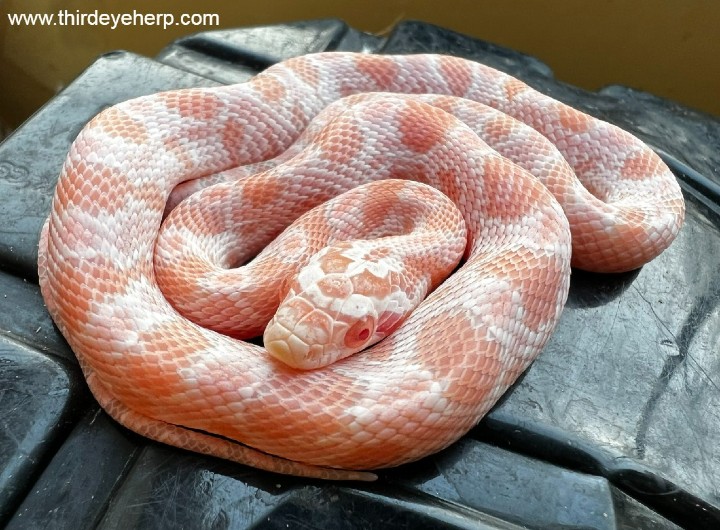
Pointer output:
360, 332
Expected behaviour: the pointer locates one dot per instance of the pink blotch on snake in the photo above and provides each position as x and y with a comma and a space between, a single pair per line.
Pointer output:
285, 143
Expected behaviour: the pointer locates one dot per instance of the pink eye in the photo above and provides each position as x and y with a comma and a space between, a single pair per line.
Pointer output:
359, 332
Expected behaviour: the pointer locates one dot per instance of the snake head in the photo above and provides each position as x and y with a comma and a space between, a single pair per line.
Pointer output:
337, 305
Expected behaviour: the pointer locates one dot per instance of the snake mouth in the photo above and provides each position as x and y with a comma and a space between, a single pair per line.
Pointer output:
280, 350
285, 346
277, 340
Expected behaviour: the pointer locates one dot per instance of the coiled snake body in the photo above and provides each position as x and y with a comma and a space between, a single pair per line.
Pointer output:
439, 370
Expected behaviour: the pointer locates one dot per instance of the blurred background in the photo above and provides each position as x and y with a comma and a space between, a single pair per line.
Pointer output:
668, 47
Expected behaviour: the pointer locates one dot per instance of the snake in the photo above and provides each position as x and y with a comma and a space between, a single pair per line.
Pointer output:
185, 223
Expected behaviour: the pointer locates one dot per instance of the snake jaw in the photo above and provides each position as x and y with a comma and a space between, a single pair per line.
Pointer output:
284, 345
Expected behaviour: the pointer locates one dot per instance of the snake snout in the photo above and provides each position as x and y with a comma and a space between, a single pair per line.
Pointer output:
299, 335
